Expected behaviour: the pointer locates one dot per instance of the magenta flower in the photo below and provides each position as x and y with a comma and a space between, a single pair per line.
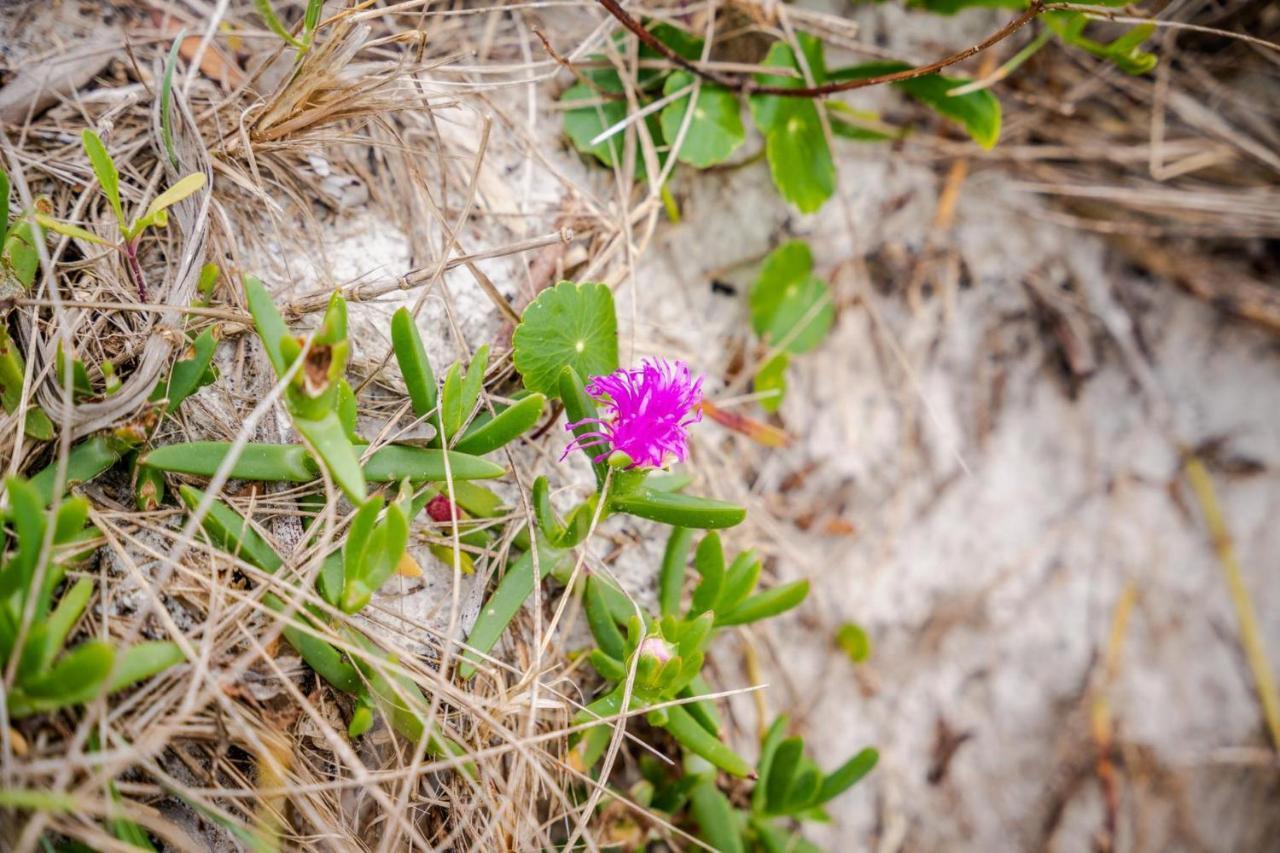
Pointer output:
648, 410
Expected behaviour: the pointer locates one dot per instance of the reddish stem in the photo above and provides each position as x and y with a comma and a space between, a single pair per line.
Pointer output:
135, 269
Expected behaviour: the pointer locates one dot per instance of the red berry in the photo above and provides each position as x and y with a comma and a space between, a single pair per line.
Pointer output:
441, 509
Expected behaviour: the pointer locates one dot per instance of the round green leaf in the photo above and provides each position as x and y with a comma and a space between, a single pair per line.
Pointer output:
586, 123
788, 303
715, 129
569, 325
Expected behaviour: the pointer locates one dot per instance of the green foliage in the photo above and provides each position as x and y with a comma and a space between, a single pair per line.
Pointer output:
86, 461
715, 128
791, 309
166, 99
49, 675
12, 374
273, 22
795, 143
1125, 52
854, 642
505, 602
411, 355
569, 325
311, 397
977, 112
374, 544
189, 374
666, 653
789, 788
156, 214
583, 124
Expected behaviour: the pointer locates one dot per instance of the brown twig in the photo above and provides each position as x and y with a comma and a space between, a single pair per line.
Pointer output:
748, 86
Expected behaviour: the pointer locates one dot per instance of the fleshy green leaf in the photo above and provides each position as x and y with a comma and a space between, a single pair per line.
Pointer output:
472, 384
395, 462
451, 401
87, 460
143, 660
768, 747
506, 600
569, 325
715, 129
600, 620
76, 678
415, 367
232, 532
674, 562
286, 462
765, 604
326, 660
63, 618
709, 561
188, 374
847, 775
679, 510
329, 440
505, 427
782, 770
717, 821
371, 555
12, 374
691, 735
579, 408
739, 580
268, 322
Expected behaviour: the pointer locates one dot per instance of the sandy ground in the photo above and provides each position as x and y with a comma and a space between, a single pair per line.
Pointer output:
992, 504
997, 516
955, 487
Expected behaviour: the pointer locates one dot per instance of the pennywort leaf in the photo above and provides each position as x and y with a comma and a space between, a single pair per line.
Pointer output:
789, 305
715, 128
569, 325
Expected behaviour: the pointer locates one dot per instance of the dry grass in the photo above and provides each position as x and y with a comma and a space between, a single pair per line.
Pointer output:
414, 100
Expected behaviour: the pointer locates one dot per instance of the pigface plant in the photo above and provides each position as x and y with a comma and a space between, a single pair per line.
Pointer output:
38, 613
629, 423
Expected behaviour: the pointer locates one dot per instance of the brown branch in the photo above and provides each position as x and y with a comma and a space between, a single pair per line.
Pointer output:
748, 86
